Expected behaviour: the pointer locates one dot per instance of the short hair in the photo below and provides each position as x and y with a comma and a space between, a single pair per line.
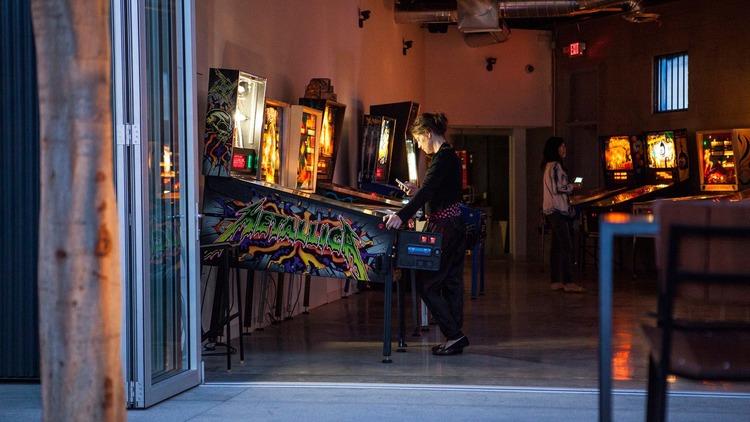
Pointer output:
436, 123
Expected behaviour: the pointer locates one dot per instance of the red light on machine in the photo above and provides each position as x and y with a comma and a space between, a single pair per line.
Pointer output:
423, 239
239, 161
432, 240
575, 49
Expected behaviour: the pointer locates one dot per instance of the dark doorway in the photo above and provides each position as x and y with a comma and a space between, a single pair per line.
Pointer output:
489, 184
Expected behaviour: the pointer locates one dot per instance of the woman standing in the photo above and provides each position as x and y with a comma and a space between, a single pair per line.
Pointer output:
442, 290
559, 214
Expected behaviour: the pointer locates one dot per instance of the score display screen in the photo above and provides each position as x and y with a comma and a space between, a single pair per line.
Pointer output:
419, 250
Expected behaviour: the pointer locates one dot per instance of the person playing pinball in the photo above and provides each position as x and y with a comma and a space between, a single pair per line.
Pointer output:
442, 290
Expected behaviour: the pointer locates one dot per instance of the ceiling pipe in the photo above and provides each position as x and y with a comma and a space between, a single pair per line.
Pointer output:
525, 10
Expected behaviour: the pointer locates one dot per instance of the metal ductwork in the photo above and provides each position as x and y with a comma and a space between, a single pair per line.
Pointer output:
520, 10
483, 21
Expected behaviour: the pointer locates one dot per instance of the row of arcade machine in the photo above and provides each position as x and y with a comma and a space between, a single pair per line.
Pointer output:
641, 170
263, 162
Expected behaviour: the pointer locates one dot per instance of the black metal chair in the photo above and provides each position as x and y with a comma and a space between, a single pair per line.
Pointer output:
703, 261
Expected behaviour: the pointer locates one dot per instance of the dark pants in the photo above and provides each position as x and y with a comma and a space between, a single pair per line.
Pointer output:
443, 290
561, 254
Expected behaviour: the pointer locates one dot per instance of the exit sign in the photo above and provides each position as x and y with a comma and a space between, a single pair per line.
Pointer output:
575, 49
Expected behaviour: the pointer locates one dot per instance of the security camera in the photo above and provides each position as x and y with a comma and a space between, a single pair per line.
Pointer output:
363, 16
490, 63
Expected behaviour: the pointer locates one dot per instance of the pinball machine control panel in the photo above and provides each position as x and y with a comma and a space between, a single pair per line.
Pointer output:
418, 250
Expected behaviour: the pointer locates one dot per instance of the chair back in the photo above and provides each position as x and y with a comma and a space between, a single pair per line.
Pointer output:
708, 239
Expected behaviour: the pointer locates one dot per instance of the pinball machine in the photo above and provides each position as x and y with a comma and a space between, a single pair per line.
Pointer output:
330, 134
667, 167
272, 138
395, 159
724, 160
723, 168
301, 148
256, 225
375, 156
623, 163
234, 121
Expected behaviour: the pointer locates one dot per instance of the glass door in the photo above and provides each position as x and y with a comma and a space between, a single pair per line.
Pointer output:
156, 163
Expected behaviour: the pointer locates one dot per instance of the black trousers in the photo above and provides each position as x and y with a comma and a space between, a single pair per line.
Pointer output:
561, 254
443, 290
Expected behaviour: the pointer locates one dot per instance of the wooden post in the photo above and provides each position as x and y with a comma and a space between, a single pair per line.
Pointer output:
79, 264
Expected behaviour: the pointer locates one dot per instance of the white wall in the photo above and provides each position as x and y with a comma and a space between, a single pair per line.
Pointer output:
292, 41
457, 83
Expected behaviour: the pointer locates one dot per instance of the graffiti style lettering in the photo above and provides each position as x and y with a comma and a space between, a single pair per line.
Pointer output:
264, 228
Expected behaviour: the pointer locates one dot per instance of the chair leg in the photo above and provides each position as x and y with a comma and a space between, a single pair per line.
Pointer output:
656, 406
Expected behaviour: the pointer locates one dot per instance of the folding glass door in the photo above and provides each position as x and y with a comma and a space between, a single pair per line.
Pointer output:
154, 103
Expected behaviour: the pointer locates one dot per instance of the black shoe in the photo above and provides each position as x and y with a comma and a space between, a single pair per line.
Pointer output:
453, 349
437, 347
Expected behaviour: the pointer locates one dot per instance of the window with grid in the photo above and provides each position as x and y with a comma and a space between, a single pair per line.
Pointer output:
671, 82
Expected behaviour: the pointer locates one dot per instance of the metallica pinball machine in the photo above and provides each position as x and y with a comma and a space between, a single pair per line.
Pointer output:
259, 226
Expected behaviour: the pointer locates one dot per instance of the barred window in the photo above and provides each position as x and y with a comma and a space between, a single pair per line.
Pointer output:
671, 82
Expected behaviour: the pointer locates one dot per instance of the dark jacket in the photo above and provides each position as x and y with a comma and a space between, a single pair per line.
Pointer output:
441, 186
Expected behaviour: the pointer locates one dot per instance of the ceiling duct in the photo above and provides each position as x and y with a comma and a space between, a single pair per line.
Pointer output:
478, 16
483, 21
480, 24
413, 12
480, 39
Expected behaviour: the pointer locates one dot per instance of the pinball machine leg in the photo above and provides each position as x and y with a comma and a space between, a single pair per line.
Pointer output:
475, 272
387, 308
306, 298
481, 269
347, 284
414, 304
400, 304
249, 295
279, 298
425, 318
290, 296
240, 312
261, 311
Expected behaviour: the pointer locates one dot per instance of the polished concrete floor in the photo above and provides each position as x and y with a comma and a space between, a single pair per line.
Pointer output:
360, 402
522, 334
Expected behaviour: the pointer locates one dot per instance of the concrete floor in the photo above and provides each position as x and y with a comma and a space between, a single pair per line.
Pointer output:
522, 334
533, 357
342, 402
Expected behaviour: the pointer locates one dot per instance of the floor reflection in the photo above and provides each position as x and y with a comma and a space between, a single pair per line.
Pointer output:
521, 332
